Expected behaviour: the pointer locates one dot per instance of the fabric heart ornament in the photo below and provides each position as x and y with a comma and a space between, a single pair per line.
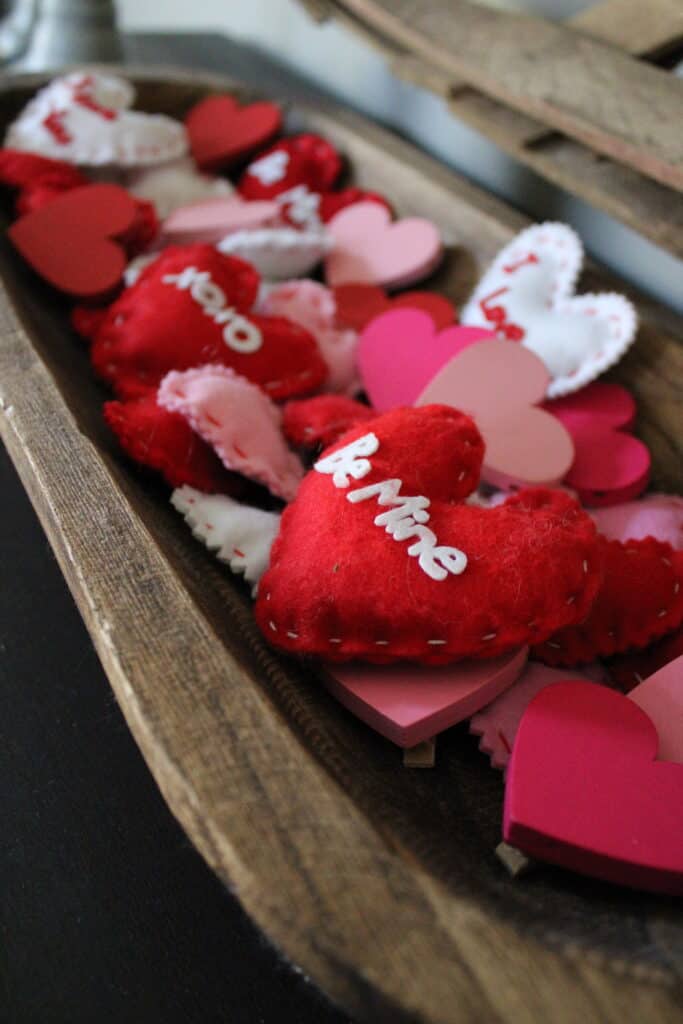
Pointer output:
640, 599
378, 558
630, 669
191, 306
370, 249
305, 159
661, 698
501, 387
278, 253
358, 304
321, 421
36, 177
601, 805
210, 220
527, 296
655, 515
74, 242
610, 466
84, 118
221, 131
238, 420
174, 184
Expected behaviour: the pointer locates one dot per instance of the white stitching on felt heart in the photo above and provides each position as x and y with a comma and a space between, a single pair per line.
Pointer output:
541, 266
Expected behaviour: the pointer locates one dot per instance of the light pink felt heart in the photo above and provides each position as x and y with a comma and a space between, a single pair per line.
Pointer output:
661, 698
399, 353
500, 386
369, 249
584, 790
239, 420
655, 515
212, 219
412, 703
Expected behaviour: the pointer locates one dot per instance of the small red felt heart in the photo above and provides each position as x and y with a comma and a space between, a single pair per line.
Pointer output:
630, 669
192, 306
584, 790
221, 131
378, 558
321, 421
70, 241
641, 598
305, 159
358, 304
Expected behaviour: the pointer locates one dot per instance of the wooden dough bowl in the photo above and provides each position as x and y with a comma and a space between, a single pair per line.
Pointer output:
379, 881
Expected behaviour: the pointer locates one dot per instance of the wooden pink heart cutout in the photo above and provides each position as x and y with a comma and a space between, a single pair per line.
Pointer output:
399, 353
660, 696
411, 703
584, 790
370, 249
501, 387
210, 220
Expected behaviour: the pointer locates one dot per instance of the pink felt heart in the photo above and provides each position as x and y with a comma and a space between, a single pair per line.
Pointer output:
412, 703
399, 353
369, 249
239, 420
527, 296
661, 698
655, 515
212, 219
584, 790
500, 386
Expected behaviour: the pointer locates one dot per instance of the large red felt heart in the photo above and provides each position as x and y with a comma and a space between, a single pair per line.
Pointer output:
221, 131
71, 243
191, 306
343, 582
358, 304
584, 790
640, 599
305, 159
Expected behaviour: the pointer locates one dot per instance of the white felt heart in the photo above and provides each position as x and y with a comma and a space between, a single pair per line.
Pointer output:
175, 184
239, 535
278, 253
527, 296
83, 118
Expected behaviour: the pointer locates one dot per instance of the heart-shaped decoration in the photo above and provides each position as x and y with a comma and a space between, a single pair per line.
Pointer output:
238, 420
175, 184
655, 515
71, 243
501, 387
379, 558
600, 805
527, 296
609, 465
221, 131
190, 306
210, 220
661, 698
280, 252
358, 304
303, 160
369, 248
409, 704
640, 599
630, 669
83, 118
321, 421
37, 177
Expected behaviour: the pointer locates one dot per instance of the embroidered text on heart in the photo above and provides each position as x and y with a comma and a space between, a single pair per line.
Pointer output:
239, 333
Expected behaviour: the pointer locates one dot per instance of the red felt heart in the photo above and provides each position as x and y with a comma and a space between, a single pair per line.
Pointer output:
70, 241
191, 306
358, 304
641, 598
300, 160
321, 421
221, 131
354, 570
165, 442
28, 170
584, 791
630, 669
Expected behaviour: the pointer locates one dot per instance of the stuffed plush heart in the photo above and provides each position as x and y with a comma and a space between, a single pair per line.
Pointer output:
358, 304
210, 220
37, 177
221, 131
600, 805
83, 118
629, 670
641, 598
655, 515
527, 296
280, 252
609, 465
71, 241
307, 160
321, 421
312, 306
191, 306
661, 698
238, 420
174, 184
379, 559
164, 441
369, 248
500, 385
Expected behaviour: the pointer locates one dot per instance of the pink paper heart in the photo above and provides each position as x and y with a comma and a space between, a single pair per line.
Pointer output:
655, 515
661, 698
399, 353
370, 249
212, 219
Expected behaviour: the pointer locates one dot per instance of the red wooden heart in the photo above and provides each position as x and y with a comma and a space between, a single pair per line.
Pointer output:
221, 131
343, 582
584, 790
358, 304
70, 241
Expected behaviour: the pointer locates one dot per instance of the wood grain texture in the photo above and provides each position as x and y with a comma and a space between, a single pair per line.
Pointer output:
649, 29
590, 91
382, 883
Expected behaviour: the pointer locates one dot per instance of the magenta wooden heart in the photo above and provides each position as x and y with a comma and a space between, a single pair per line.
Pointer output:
411, 703
584, 790
661, 698
370, 249
400, 352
